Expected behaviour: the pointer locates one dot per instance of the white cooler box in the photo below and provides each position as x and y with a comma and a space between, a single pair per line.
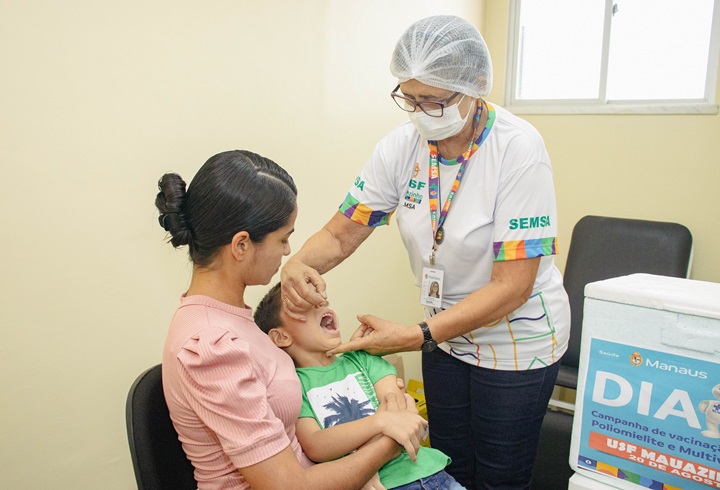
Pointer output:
648, 398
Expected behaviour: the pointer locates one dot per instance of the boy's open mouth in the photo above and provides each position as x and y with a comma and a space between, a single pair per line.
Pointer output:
327, 322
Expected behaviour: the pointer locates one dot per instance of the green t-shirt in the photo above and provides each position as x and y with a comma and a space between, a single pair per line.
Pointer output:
344, 391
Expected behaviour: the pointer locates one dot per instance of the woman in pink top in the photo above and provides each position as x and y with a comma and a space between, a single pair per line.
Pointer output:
233, 395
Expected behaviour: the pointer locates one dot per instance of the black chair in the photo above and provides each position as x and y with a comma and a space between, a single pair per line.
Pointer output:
157, 455
552, 469
601, 248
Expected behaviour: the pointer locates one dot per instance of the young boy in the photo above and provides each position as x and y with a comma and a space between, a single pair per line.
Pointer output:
340, 397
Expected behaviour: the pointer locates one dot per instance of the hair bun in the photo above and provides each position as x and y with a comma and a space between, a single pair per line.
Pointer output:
172, 221
170, 202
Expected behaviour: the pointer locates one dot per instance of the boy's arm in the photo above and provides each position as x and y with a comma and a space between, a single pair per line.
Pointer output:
334, 442
387, 385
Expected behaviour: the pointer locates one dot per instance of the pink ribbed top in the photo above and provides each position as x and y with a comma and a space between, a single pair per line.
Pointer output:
233, 395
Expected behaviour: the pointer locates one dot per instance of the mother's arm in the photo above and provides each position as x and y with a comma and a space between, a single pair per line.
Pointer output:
510, 286
283, 470
302, 284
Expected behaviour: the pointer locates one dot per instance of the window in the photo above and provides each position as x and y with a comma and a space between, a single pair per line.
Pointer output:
607, 56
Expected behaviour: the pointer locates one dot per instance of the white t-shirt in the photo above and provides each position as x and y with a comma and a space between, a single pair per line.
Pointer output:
504, 209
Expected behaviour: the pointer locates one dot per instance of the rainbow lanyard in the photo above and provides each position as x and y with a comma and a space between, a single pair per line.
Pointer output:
434, 184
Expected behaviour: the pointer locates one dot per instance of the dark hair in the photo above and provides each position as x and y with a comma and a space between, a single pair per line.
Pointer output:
233, 191
267, 313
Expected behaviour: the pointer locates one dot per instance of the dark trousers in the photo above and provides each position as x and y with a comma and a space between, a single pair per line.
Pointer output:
488, 421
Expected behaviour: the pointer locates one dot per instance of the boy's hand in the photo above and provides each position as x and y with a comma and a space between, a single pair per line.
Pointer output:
374, 484
399, 420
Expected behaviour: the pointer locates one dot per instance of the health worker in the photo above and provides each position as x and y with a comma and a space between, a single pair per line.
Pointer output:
471, 187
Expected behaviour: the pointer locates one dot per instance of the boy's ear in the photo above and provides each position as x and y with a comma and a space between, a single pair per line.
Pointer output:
280, 337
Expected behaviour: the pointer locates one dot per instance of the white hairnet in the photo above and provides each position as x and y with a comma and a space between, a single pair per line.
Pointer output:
446, 52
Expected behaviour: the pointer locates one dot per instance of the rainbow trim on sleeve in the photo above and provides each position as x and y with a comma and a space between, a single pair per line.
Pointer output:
360, 213
525, 249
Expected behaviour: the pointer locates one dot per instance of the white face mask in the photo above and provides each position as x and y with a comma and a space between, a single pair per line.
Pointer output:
440, 128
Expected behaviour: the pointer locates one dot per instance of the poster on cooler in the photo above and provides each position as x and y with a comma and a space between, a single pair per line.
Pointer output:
650, 418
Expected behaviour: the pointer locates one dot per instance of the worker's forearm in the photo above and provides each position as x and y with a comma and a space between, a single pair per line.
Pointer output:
322, 252
335, 242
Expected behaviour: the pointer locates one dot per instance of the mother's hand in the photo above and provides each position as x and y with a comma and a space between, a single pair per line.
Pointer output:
302, 288
379, 337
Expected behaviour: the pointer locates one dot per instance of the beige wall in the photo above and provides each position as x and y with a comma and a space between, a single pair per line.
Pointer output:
98, 99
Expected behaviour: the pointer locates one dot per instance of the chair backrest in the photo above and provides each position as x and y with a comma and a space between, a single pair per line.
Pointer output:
602, 248
157, 455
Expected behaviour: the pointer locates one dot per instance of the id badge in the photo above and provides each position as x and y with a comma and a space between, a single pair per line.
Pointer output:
432, 287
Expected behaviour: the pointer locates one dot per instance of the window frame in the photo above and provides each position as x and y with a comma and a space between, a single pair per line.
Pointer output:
602, 105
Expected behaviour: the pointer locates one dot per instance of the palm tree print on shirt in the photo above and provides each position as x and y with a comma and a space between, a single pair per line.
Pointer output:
346, 410
343, 401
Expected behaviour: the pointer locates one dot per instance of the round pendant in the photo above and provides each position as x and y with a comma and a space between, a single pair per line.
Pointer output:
440, 236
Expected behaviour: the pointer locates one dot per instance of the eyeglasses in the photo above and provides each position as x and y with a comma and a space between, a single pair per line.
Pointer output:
432, 109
